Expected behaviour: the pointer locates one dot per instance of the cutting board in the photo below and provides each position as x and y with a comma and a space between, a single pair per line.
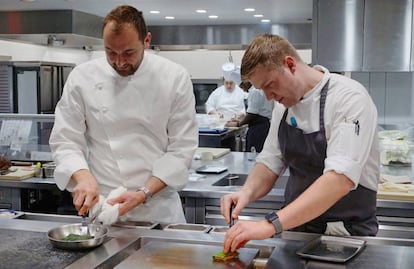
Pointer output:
391, 195
21, 173
395, 191
170, 255
217, 152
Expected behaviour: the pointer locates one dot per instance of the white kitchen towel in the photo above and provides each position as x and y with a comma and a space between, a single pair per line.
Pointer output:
336, 228
93, 212
108, 213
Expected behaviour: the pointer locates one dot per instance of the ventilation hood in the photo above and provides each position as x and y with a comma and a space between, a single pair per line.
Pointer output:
65, 28
222, 37
75, 29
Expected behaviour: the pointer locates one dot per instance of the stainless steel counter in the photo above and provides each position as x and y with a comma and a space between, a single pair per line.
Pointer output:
279, 252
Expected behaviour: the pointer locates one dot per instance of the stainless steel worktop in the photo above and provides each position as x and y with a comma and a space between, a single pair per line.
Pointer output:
236, 162
279, 252
200, 189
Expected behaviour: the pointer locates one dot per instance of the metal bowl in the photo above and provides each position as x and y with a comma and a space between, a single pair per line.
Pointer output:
56, 235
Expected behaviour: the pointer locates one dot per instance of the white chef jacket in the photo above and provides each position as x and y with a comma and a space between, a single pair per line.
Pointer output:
228, 103
350, 128
258, 104
126, 129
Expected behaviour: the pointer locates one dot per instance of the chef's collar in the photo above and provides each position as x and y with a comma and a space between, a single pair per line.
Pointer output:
137, 72
318, 87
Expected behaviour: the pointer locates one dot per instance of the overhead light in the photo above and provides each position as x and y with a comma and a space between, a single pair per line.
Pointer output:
258, 15
201, 11
169, 17
213, 16
27, 1
249, 9
265, 20
154, 12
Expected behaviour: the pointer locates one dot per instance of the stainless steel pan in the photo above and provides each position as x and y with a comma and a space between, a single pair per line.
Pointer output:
99, 232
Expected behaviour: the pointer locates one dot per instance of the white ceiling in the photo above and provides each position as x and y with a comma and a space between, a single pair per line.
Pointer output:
228, 11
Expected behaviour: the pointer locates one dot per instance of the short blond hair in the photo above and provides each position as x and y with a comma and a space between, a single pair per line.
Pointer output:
267, 50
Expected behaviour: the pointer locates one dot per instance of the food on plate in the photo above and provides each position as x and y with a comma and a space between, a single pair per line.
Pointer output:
76, 237
223, 257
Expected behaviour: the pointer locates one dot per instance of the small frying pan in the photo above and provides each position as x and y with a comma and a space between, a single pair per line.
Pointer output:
98, 231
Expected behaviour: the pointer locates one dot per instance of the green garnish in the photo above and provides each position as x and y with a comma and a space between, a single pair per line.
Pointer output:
76, 237
222, 256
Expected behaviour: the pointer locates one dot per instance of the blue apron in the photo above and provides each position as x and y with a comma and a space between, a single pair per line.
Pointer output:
305, 154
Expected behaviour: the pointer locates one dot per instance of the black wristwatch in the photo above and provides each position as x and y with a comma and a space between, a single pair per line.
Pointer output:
273, 218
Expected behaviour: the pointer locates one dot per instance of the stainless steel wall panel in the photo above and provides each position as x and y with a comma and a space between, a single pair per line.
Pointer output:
339, 34
387, 39
398, 106
187, 37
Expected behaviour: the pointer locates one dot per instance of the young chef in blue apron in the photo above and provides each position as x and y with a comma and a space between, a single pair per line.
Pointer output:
324, 130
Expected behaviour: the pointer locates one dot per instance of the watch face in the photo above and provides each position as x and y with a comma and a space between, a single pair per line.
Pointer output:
271, 216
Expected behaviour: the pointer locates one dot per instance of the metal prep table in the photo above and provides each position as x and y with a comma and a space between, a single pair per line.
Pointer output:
25, 245
232, 138
201, 198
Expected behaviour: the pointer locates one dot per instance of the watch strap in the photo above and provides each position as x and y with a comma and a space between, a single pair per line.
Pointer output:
278, 226
273, 218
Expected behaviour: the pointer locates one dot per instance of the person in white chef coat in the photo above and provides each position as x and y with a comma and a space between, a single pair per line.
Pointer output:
323, 130
258, 115
128, 120
227, 101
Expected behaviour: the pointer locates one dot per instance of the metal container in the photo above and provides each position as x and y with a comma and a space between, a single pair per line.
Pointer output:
49, 169
189, 227
56, 235
219, 229
136, 224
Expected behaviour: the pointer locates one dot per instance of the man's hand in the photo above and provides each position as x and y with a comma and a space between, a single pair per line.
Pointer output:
232, 123
238, 199
86, 192
4, 163
243, 231
127, 201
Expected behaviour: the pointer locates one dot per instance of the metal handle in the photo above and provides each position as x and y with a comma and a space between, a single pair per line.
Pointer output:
231, 217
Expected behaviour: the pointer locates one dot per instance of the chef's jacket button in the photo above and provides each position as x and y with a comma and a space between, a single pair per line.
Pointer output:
120, 156
104, 109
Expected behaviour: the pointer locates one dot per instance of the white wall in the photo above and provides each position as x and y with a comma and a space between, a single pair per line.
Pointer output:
201, 64
29, 52
206, 64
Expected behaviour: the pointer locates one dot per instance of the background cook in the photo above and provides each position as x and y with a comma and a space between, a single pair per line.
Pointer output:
227, 101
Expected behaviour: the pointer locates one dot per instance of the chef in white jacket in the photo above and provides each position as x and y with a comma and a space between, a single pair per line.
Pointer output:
126, 120
227, 101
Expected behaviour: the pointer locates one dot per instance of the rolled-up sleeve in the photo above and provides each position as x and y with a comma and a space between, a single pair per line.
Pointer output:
351, 136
